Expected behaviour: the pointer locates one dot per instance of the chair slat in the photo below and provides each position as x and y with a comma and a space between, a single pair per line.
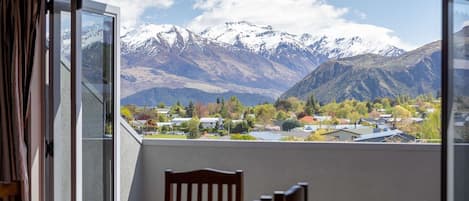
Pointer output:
220, 192
239, 186
210, 192
203, 177
178, 192
189, 192
199, 192
168, 190
230, 192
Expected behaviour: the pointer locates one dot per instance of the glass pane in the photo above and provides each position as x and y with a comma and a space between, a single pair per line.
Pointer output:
97, 106
459, 125
62, 102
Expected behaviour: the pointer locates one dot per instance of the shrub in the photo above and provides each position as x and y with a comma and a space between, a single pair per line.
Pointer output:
290, 124
242, 137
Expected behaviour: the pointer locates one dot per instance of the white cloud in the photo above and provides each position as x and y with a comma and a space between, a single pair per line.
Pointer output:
294, 16
360, 14
132, 10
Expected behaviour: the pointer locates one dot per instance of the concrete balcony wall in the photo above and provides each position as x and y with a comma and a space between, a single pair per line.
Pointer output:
131, 170
335, 171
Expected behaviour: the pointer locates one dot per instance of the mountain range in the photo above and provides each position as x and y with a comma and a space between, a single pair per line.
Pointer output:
370, 76
256, 62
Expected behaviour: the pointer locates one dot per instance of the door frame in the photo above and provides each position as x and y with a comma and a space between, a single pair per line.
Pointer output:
53, 91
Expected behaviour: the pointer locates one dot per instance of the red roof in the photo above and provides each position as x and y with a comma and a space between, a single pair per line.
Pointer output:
307, 119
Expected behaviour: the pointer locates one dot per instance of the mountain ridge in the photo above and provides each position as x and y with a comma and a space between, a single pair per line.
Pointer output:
153, 53
370, 76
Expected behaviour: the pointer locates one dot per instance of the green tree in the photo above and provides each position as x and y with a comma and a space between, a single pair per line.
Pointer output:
162, 118
193, 128
401, 112
177, 109
369, 106
161, 105
290, 124
126, 113
312, 105
251, 121
331, 108
317, 135
377, 106
386, 103
362, 108
190, 109
431, 127
354, 117
345, 108
241, 127
281, 115
264, 113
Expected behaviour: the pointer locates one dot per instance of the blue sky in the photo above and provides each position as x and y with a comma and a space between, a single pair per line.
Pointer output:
415, 21
409, 23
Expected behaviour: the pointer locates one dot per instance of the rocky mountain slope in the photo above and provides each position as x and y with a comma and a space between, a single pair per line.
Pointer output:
369, 76
236, 57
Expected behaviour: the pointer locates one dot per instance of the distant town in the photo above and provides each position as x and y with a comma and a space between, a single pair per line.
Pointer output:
402, 119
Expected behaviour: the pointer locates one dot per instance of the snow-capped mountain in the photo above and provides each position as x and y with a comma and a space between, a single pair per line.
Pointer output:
271, 43
282, 47
146, 36
259, 39
168, 56
340, 47
255, 62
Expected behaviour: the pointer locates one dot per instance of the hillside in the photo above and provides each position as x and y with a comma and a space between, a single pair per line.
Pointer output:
369, 76
151, 97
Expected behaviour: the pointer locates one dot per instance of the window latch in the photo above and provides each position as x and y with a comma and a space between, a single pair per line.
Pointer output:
49, 148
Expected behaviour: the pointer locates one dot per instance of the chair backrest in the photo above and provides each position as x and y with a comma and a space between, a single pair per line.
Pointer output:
9, 191
174, 181
298, 192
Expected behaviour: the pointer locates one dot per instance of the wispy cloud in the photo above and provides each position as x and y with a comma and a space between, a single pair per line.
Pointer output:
295, 16
132, 10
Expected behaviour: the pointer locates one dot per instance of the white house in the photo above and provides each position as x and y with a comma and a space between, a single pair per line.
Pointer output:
179, 121
160, 124
322, 118
163, 111
210, 122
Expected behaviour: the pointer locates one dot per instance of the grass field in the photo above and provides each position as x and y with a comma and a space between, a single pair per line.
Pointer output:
165, 136
170, 136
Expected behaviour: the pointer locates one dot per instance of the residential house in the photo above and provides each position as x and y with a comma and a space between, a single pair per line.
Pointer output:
307, 120
161, 124
210, 122
348, 134
322, 118
341, 135
178, 121
386, 136
163, 111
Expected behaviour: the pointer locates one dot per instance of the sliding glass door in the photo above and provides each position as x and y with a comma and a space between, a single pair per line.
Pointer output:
84, 63
456, 64
97, 96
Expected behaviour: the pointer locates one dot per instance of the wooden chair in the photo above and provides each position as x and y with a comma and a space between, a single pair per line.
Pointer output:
209, 177
265, 198
298, 192
9, 191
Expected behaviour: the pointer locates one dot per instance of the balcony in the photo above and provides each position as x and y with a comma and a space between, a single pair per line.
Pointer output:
335, 171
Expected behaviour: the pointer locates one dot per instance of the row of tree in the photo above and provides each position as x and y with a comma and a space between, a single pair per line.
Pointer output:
290, 110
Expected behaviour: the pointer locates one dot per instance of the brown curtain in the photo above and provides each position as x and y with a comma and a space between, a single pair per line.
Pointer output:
21, 21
